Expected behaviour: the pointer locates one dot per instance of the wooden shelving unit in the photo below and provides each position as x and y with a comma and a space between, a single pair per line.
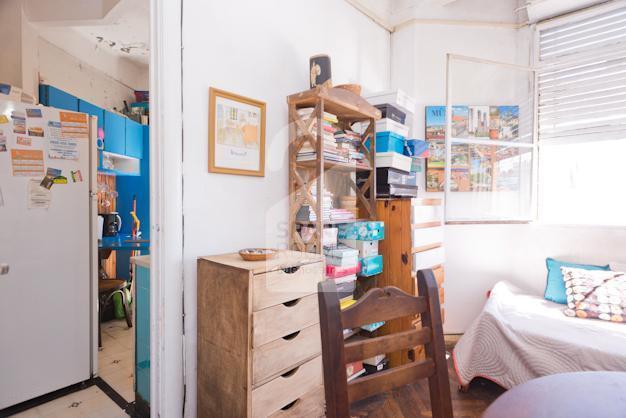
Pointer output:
349, 109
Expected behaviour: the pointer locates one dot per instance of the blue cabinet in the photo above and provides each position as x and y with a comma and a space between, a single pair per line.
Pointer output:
51, 96
114, 133
134, 139
93, 110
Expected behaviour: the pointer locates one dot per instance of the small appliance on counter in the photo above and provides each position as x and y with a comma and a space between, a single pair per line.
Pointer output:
112, 224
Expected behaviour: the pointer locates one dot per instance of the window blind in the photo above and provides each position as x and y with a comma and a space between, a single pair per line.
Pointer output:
582, 78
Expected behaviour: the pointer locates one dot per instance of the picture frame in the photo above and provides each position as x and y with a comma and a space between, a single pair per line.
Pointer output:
236, 134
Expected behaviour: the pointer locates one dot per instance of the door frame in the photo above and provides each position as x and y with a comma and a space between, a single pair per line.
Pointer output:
166, 214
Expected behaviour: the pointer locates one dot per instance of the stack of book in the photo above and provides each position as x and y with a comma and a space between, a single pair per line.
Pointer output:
339, 145
329, 212
342, 266
349, 203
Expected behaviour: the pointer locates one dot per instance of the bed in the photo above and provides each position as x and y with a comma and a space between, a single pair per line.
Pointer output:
518, 337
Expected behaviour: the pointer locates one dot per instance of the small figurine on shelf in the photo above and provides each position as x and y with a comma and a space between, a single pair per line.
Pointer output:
135, 233
319, 71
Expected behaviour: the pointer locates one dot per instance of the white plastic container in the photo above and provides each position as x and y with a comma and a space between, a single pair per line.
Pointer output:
428, 259
390, 125
366, 248
394, 97
393, 160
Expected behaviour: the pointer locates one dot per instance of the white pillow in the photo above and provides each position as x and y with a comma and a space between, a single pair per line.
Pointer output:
617, 266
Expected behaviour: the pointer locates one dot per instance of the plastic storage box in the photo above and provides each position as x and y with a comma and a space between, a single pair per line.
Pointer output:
362, 231
390, 125
392, 182
396, 97
333, 272
393, 160
391, 112
371, 265
366, 248
389, 142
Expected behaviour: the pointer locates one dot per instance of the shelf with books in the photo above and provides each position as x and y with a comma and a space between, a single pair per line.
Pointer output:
328, 132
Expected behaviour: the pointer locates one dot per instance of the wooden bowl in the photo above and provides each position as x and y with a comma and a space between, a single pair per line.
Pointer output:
258, 254
354, 88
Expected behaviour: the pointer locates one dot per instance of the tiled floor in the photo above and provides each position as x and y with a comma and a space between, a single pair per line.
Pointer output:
116, 367
116, 360
87, 403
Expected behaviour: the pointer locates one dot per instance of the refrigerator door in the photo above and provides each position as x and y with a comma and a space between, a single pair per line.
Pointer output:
45, 297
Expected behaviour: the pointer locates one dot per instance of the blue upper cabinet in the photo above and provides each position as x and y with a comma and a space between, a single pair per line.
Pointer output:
114, 133
93, 110
51, 96
134, 139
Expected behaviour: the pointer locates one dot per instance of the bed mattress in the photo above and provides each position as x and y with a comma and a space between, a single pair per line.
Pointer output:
518, 337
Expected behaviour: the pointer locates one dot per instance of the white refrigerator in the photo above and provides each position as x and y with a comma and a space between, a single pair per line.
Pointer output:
48, 319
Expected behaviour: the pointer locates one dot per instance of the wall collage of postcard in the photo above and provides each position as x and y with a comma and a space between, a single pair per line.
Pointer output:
475, 167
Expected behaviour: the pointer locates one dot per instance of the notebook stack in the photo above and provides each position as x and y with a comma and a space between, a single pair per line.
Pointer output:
339, 145
329, 212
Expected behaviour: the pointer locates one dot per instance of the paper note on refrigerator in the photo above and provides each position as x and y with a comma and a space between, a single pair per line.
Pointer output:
27, 163
59, 147
38, 197
74, 125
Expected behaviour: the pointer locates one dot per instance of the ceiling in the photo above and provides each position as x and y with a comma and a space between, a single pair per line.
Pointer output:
123, 30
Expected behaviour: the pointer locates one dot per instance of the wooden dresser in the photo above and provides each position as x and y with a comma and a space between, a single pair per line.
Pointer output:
413, 241
259, 347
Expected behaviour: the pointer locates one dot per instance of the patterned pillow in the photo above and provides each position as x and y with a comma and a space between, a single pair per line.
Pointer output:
595, 294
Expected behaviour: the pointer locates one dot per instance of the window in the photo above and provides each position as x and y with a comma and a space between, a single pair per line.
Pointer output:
581, 66
486, 163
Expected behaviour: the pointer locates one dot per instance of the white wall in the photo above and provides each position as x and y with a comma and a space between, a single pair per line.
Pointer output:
259, 50
477, 256
11, 35
63, 70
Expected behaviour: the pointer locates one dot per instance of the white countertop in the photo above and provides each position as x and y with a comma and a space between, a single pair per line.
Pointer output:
141, 260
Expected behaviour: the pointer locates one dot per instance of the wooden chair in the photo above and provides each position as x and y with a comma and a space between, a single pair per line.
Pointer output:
382, 305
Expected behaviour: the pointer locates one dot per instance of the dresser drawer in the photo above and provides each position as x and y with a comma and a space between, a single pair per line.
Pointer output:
281, 286
429, 258
426, 236
278, 321
287, 388
283, 354
309, 405
426, 213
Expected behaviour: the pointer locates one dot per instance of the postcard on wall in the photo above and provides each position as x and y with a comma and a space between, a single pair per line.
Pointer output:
437, 154
23, 140
236, 134
504, 123
27, 163
74, 125
460, 121
38, 197
435, 122
435, 178
3, 141
34, 113
19, 122
478, 122
460, 156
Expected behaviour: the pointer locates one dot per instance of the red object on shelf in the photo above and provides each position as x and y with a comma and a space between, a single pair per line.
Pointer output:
333, 272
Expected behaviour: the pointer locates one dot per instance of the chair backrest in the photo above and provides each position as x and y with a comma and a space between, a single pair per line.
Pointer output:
382, 304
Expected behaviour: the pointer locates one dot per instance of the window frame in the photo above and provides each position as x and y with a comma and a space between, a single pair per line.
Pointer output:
449, 141
538, 65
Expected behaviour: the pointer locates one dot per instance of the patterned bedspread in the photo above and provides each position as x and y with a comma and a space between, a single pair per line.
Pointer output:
518, 337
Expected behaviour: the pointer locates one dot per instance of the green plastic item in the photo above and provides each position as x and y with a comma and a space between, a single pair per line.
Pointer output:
118, 306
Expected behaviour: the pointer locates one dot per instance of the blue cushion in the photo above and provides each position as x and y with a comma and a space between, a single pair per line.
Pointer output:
555, 288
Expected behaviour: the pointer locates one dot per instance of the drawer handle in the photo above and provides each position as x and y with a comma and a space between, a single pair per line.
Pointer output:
291, 336
291, 270
290, 372
291, 303
290, 405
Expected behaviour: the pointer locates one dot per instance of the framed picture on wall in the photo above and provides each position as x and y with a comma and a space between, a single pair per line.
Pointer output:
236, 134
